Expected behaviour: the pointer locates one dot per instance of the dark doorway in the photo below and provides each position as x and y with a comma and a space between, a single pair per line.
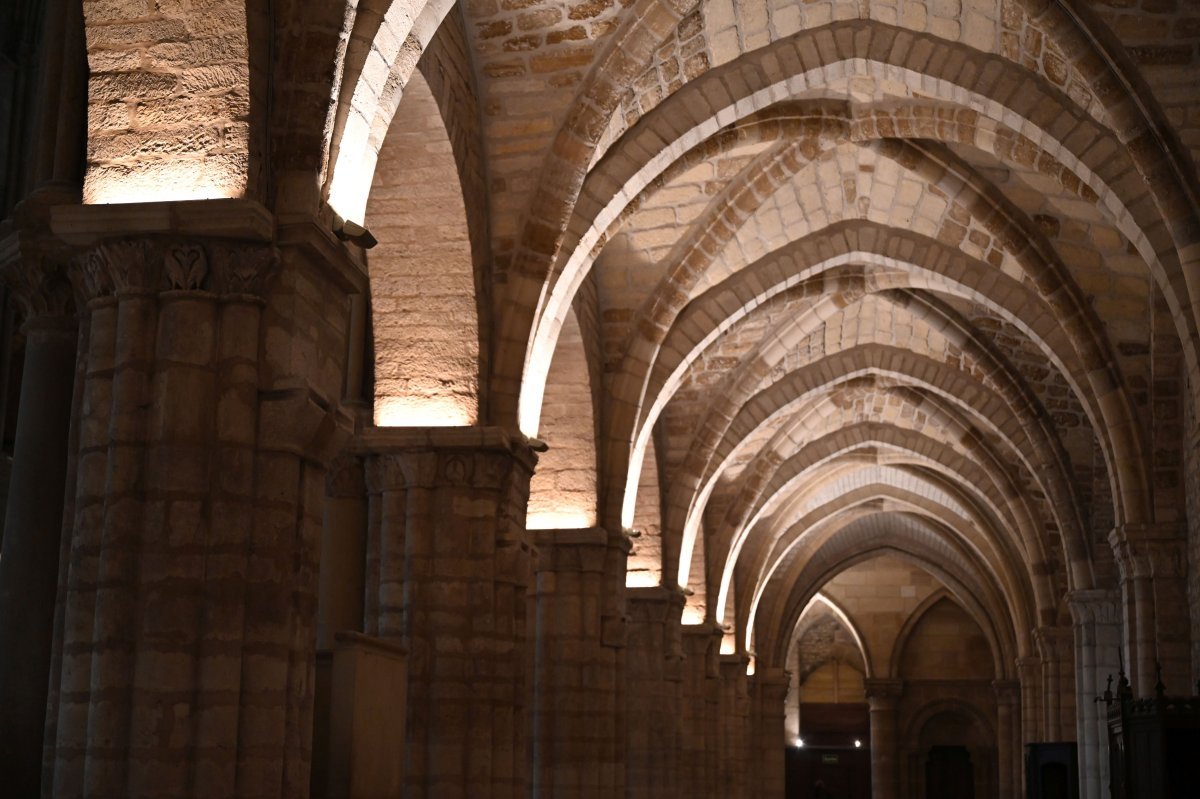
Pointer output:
949, 773
842, 773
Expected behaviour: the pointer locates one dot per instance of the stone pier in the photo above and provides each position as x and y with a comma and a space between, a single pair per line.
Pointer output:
883, 696
190, 591
33, 518
448, 566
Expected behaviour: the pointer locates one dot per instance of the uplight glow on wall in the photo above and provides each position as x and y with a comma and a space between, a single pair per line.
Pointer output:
422, 412
163, 181
559, 519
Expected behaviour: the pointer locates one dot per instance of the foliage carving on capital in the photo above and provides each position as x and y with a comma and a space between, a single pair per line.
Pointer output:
241, 269
113, 266
145, 265
41, 288
186, 266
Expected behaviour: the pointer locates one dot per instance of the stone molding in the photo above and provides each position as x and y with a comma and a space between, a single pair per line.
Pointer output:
656, 603
1149, 550
570, 550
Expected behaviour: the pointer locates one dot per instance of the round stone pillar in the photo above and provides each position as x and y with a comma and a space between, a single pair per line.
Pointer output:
1097, 618
1152, 559
883, 696
1008, 742
769, 688
29, 554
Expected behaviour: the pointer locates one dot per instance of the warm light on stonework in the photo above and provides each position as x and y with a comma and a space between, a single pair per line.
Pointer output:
423, 412
692, 616
641, 578
351, 184
560, 520
162, 182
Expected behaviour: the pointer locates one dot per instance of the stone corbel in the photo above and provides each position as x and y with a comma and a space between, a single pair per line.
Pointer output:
295, 421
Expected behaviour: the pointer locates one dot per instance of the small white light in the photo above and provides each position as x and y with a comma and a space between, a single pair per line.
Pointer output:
799, 743
857, 744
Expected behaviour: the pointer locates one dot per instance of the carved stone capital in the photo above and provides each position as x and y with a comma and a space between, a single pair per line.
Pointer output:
1095, 606
41, 290
32, 266
144, 265
1149, 551
1030, 667
472, 457
345, 477
1008, 692
1055, 643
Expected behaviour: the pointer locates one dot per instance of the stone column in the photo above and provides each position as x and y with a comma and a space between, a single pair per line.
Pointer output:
1058, 678
1029, 670
701, 695
343, 551
573, 719
449, 565
653, 685
883, 695
768, 688
190, 593
1153, 563
29, 555
733, 721
1097, 617
1008, 742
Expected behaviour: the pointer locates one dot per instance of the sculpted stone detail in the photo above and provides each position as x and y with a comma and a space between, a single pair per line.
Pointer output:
132, 266
186, 266
1145, 552
41, 288
242, 269
455, 470
346, 477
1095, 606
